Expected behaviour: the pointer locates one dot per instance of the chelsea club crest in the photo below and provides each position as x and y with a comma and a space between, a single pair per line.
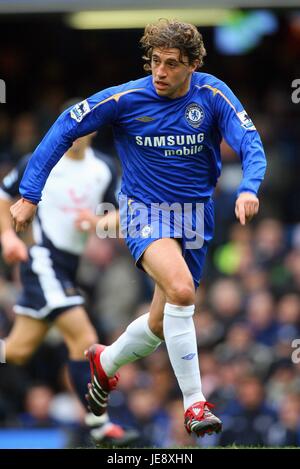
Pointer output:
194, 114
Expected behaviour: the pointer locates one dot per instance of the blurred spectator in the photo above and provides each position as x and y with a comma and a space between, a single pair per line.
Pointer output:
247, 418
37, 407
283, 380
269, 246
254, 280
209, 329
209, 373
148, 416
162, 380
229, 372
292, 263
234, 256
261, 317
225, 298
288, 319
288, 310
132, 378
286, 432
240, 344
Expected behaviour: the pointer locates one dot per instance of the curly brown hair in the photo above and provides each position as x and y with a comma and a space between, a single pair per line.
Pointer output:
173, 34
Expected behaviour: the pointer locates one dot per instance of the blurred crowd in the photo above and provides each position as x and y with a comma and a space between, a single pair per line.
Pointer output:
248, 305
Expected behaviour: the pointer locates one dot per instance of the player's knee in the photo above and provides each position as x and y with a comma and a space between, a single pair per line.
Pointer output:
181, 294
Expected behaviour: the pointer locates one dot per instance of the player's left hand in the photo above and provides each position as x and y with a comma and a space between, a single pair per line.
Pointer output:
246, 206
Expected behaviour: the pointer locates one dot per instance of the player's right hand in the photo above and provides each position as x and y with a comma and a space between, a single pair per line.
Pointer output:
13, 248
22, 213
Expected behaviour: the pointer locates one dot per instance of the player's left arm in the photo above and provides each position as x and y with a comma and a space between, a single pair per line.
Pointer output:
240, 133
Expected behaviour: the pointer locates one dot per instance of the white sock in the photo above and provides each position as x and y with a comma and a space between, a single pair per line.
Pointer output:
180, 338
136, 342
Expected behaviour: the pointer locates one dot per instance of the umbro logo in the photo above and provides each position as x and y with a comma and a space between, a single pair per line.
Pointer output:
145, 119
196, 410
189, 356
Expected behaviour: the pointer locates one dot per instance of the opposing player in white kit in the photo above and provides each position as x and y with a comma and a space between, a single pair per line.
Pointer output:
81, 180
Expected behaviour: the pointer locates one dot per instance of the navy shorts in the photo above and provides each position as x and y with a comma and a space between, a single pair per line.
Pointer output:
192, 224
49, 283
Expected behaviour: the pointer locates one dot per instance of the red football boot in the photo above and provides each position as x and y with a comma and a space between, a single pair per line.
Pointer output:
199, 420
101, 385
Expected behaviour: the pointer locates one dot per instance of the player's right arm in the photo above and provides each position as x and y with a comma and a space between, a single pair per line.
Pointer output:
75, 122
13, 248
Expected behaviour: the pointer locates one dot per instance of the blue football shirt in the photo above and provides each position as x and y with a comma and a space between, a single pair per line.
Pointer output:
169, 148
